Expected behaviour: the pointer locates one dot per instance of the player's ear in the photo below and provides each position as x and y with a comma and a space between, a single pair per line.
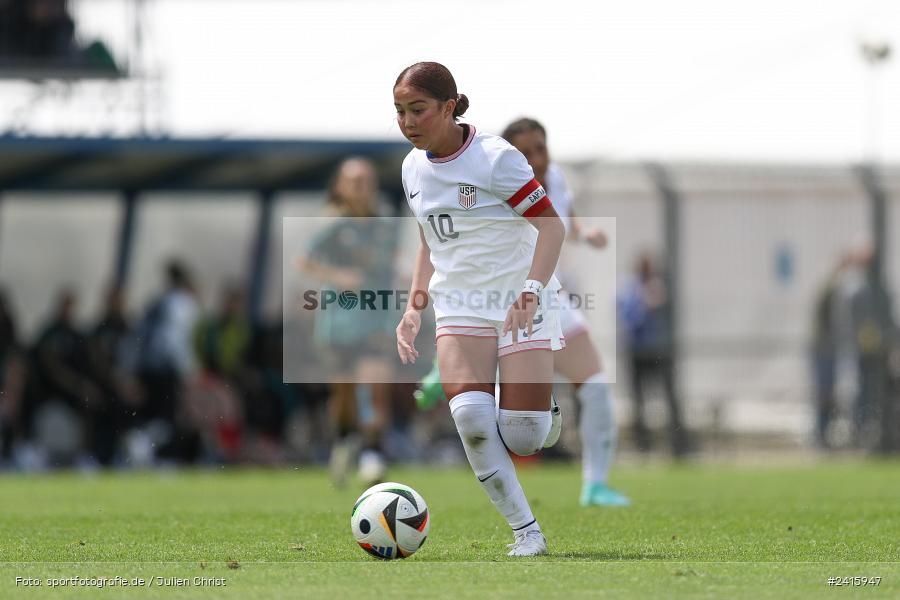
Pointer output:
449, 107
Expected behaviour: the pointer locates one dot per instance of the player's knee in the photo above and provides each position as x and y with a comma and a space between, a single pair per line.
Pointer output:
471, 426
524, 431
473, 414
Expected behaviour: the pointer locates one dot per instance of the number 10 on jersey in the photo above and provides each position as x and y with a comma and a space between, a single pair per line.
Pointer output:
443, 227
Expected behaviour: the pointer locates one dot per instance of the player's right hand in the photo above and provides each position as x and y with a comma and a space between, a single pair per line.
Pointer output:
406, 334
521, 315
596, 238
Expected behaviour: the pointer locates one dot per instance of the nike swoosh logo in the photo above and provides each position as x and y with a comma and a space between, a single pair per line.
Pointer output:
411, 196
489, 476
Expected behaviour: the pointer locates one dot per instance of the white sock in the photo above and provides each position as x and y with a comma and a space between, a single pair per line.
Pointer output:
524, 431
476, 422
598, 428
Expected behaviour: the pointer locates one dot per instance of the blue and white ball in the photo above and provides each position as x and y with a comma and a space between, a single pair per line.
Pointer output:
390, 520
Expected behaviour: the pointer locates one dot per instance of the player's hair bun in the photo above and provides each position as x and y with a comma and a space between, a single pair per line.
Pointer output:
462, 105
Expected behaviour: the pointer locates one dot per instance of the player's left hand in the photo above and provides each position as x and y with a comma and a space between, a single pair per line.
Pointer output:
520, 315
596, 238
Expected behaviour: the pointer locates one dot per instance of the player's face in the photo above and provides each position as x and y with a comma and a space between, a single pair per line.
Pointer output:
422, 119
357, 186
533, 146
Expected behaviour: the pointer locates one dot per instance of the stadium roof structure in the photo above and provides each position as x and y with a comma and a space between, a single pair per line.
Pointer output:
134, 166
172, 164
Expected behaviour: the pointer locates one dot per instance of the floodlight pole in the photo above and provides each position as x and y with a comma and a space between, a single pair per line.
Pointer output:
887, 407
876, 55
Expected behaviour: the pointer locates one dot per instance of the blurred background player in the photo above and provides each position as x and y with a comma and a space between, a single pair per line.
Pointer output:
354, 253
579, 361
486, 271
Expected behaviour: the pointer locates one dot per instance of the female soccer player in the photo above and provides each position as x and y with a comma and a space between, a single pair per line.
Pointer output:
490, 241
579, 361
355, 252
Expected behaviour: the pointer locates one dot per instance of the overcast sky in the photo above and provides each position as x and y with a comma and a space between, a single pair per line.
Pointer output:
636, 79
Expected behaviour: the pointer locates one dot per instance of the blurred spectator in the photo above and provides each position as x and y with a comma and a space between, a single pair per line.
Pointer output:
60, 357
12, 381
827, 330
221, 341
852, 350
355, 253
214, 396
166, 357
643, 311
111, 356
63, 394
865, 345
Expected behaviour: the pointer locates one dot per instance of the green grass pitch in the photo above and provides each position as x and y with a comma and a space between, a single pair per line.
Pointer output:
693, 531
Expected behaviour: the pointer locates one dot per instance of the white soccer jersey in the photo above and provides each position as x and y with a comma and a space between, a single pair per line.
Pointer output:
560, 194
474, 207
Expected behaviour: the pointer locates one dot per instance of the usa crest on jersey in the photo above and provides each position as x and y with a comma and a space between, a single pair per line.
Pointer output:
467, 195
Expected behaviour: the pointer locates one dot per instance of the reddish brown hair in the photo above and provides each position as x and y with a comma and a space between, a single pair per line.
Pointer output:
435, 80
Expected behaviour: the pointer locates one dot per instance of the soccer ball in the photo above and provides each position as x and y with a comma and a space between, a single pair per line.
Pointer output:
390, 520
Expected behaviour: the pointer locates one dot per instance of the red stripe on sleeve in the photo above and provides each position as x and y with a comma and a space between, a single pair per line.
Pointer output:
523, 192
537, 208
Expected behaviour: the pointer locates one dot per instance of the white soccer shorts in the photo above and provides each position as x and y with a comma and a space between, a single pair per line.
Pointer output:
546, 331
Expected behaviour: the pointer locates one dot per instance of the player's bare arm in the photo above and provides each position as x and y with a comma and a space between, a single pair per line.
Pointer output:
418, 299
